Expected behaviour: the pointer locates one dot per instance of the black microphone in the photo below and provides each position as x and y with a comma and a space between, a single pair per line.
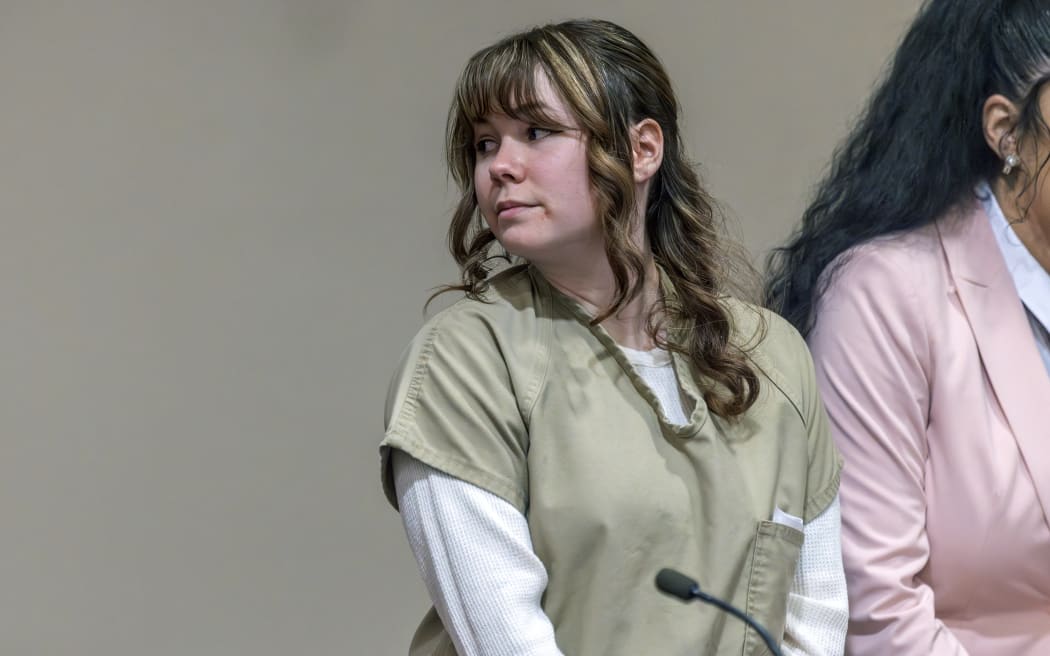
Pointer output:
679, 585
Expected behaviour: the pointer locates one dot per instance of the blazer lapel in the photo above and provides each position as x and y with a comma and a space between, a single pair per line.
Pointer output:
1004, 338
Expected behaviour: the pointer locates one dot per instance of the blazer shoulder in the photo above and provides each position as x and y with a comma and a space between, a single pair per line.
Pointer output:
899, 260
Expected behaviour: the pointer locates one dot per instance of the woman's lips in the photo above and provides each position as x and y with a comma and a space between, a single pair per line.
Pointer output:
511, 210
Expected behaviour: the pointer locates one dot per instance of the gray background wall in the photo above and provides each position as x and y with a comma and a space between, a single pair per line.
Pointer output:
218, 223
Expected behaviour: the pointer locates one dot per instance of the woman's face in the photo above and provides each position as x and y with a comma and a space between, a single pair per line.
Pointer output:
533, 185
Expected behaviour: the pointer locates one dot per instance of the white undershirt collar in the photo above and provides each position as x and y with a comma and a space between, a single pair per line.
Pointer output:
1030, 279
656, 357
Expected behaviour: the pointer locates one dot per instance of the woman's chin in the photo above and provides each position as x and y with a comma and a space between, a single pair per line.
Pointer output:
521, 245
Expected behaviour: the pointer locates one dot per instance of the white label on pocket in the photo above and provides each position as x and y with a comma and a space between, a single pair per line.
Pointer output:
781, 517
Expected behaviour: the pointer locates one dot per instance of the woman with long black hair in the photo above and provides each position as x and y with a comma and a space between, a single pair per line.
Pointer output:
920, 278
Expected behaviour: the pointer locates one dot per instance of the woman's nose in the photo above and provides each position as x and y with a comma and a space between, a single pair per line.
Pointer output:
507, 164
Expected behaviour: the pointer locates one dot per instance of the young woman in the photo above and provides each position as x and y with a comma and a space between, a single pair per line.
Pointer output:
602, 409
920, 276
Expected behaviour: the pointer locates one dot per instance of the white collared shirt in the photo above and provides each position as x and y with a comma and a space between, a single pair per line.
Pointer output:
1031, 280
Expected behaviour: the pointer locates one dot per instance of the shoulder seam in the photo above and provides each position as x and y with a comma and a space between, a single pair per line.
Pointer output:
780, 385
411, 398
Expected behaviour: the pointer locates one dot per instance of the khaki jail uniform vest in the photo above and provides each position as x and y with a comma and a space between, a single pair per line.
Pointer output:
521, 397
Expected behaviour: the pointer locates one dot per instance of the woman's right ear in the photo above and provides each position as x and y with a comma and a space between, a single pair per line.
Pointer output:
999, 119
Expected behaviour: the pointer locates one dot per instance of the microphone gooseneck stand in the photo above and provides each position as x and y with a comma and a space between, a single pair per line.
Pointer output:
679, 585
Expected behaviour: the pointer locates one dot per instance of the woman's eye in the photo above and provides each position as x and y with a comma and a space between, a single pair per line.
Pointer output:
484, 145
538, 133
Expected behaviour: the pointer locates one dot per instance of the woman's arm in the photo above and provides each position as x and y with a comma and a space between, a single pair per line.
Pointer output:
475, 554
872, 351
817, 610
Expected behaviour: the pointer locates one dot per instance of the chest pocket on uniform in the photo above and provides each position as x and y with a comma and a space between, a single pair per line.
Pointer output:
773, 564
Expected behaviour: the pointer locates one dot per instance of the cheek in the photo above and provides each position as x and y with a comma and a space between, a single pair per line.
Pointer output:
583, 192
482, 189
571, 177
584, 185
479, 181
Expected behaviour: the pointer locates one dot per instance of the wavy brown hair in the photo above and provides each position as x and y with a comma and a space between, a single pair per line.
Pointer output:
610, 80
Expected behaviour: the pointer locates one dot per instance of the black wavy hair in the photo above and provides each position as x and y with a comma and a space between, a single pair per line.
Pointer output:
918, 149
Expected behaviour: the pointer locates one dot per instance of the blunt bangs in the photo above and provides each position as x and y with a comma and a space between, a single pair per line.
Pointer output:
503, 81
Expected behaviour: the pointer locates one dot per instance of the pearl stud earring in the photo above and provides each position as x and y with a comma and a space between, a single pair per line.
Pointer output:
1010, 163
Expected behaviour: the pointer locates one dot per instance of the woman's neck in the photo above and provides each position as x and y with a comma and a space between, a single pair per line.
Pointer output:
593, 286
1031, 229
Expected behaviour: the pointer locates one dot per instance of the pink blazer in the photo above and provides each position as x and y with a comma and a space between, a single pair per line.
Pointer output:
940, 404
